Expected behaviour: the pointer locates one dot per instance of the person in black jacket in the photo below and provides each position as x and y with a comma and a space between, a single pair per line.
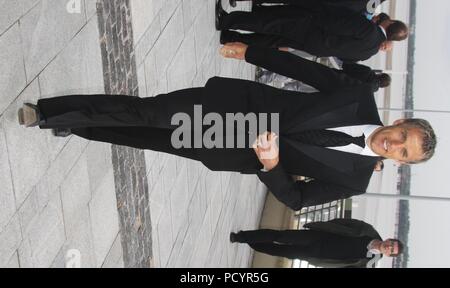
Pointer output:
349, 6
352, 38
310, 143
337, 243
289, 65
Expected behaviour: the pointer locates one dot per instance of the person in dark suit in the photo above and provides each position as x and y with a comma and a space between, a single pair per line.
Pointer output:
334, 136
337, 243
348, 6
352, 38
292, 66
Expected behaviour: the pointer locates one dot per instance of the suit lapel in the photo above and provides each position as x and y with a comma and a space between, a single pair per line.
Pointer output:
340, 117
338, 160
349, 107
358, 110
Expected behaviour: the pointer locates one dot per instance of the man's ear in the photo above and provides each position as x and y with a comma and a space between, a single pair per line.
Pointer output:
399, 121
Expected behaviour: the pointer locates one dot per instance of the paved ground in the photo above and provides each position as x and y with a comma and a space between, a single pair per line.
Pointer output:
62, 194
192, 209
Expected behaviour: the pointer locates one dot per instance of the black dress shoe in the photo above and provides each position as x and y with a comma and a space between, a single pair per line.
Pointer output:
227, 36
233, 237
30, 116
220, 13
61, 132
237, 237
223, 37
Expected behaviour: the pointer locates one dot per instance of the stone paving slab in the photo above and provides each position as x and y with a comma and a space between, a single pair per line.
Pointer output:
56, 194
119, 207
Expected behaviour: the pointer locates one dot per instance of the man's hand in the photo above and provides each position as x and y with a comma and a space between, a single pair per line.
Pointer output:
386, 46
234, 50
266, 149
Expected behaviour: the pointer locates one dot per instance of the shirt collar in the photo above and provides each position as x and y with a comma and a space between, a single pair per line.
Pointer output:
368, 131
383, 30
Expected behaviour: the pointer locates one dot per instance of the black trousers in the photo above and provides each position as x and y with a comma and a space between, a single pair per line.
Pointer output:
280, 26
143, 123
292, 244
302, 3
259, 2
257, 39
357, 6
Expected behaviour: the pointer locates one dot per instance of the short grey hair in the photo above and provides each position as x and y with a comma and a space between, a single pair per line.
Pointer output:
429, 138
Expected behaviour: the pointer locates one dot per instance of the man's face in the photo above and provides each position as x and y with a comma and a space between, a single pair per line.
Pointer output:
389, 247
400, 142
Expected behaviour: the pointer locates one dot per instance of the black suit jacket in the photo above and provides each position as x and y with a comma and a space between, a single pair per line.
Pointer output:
352, 6
359, 71
328, 28
344, 101
337, 174
352, 38
347, 228
362, 73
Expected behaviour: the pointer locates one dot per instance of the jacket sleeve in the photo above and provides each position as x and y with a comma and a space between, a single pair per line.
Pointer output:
358, 71
299, 194
344, 227
354, 223
356, 26
319, 76
361, 228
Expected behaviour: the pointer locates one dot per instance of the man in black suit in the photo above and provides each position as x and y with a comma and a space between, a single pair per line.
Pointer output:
334, 136
349, 6
337, 243
293, 66
351, 38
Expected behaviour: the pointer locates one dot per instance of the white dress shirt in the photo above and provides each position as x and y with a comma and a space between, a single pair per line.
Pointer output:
384, 31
